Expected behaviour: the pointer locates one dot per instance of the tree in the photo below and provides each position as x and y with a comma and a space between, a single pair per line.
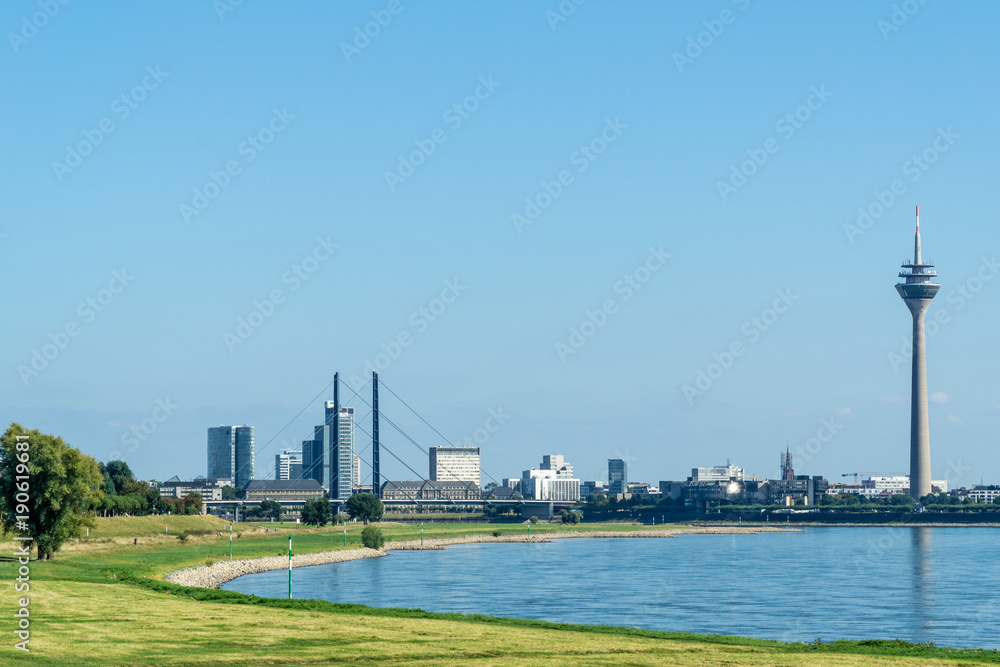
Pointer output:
228, 493
62, 488
271, 509
372, 537
120, 473
365, 506
192, 503
569, 516
316, 512
109, 485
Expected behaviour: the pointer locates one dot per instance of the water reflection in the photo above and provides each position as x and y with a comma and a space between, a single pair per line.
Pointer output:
923, 581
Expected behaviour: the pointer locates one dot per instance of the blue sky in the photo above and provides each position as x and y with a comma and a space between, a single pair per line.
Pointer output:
693, 167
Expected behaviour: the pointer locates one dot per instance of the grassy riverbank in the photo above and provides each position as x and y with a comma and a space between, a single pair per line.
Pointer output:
103, 601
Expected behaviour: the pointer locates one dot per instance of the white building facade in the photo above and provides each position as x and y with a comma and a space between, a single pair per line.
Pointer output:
455, 464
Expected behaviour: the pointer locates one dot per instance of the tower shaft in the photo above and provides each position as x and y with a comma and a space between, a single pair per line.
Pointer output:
920, 439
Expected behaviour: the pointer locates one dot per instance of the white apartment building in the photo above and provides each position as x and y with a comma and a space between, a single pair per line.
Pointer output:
455, 464
983, 494
548, 485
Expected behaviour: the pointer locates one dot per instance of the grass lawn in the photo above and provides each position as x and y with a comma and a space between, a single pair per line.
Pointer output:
103, 601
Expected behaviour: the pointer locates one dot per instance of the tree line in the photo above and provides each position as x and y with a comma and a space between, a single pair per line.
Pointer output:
52, 492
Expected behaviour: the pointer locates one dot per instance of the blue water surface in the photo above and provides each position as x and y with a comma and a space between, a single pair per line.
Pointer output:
938, 585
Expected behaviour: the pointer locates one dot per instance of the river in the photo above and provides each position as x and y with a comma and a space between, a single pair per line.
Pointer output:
938, 585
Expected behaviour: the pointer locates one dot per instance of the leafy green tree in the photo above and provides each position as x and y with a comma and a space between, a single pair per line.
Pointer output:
569, 516
192, 503
62, 488
120, 473
372, 537
316, 512
365, 506
228, 493
270, 509
109, 485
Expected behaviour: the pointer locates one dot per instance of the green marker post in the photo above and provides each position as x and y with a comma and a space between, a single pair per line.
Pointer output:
345, 533
289, 567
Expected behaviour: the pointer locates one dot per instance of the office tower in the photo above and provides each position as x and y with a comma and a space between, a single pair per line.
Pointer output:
329, 456
288, 465
232, 454
454, 464
617, 476
341, 449
356, 472
312, 454
917, 290
221, 452
246, 456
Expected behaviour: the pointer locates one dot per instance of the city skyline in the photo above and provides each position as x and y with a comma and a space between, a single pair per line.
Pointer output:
502, 297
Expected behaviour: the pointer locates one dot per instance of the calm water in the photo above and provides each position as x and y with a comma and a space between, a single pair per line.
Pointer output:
917, 584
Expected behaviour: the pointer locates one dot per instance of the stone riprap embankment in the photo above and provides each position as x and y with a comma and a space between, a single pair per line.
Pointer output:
213, 576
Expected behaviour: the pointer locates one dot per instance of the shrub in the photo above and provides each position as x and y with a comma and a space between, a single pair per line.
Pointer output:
497, 533
183, 536
209, 563
372, 537
533, 520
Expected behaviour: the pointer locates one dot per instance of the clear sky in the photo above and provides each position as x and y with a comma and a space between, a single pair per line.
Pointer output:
610, 199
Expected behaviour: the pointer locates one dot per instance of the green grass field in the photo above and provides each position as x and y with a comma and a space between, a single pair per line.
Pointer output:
103, 601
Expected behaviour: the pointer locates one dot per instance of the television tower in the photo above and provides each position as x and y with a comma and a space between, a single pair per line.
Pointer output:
917, 291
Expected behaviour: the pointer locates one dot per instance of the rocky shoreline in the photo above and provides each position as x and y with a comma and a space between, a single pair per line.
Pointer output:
213, 576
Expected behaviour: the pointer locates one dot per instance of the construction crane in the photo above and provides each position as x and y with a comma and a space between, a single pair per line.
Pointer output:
855, 474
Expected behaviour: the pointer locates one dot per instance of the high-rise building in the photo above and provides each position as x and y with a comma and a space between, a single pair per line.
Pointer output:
459, 464
342, 454
232, 454
288, 465
329, 456
557, 463
313, 454
356, 472
617, 476
246, 456
917, 290
221, 452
